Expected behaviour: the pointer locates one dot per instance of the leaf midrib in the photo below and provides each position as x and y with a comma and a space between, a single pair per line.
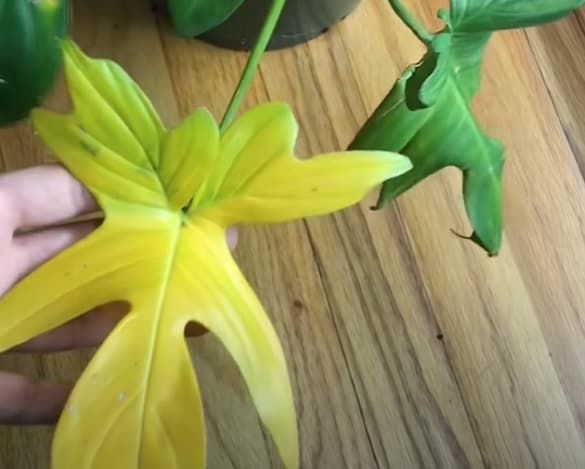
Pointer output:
122, 123
157, 314
469, 119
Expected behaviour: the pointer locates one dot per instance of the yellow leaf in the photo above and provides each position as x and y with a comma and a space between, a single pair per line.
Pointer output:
270, 128
113, 108
168, 198
286, 188
104, 172
189, 153
136, 405
227, 306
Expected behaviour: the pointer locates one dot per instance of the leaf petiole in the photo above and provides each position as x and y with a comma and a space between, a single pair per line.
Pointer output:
252, 66
413, 24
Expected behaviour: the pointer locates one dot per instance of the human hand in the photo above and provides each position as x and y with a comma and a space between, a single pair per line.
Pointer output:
34, 203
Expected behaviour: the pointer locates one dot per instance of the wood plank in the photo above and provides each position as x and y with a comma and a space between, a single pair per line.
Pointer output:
398, 365
541, 181
546, 209
557, 51
508, 353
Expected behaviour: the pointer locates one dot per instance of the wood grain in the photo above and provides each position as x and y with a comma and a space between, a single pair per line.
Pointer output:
408, 347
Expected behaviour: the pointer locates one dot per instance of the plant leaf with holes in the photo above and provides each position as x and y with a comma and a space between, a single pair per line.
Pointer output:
168, 198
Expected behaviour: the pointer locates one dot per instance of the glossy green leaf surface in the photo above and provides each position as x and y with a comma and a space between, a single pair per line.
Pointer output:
194, 17
444, 134
30, 54
168, 197
427, 115
496, 15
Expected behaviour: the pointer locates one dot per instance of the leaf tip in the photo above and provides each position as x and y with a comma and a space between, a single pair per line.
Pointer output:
491, 247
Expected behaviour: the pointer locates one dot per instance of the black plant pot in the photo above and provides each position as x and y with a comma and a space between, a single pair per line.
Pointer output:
301, 21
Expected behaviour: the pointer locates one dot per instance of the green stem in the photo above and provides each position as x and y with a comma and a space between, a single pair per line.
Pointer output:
253, 62
413, 24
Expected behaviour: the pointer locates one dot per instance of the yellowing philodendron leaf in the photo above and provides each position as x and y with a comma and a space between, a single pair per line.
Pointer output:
194, 145
121, 116
168, 198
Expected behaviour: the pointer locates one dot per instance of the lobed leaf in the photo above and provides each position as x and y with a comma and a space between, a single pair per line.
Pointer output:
168, 198
443, 133
427, 114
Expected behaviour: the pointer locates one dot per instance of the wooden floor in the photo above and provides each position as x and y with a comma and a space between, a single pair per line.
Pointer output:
409, 348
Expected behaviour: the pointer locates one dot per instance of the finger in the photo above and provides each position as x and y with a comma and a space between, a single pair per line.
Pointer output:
232, 238
43, 195
27, 402
34, 249
91, 329
86, 331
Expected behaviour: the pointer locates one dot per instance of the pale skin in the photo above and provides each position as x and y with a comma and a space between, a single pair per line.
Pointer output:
45, 196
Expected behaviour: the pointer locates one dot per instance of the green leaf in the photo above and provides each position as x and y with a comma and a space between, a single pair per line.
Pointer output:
194, 17
444, 134
427, 114
467, 54
494, 15
30, 53
426, 84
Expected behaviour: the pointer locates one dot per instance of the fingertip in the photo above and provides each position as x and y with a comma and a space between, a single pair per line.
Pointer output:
194, 330
44, 195
24, 401
232, 238
86, 331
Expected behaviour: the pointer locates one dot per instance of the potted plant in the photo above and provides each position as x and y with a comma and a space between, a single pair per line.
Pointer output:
301, 20
168, 195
